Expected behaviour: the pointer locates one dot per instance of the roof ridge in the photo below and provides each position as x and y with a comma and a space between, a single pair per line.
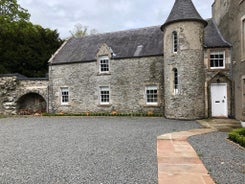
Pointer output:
120, 31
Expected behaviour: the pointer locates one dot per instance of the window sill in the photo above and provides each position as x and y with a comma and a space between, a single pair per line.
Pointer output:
151, 105
217, 69
67, 105
104, 105
176, 95
101, 74
243, 113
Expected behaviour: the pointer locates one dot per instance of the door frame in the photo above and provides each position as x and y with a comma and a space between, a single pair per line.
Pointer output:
226, 103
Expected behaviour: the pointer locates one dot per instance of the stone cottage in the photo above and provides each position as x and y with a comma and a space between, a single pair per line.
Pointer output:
181, 69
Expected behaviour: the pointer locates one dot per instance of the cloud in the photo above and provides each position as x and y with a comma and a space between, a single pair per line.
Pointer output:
103, 15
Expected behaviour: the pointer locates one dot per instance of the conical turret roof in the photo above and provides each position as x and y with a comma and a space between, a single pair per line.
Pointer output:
183, 10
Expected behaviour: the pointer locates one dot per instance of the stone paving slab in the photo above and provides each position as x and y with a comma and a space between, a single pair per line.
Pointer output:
178, 163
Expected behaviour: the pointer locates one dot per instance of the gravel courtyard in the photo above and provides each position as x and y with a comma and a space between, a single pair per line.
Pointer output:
73, 150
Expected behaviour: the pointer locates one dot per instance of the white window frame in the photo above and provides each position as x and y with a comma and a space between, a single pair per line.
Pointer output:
64, 95
217, 59
150, 91
175, 42
101, 67
104, 94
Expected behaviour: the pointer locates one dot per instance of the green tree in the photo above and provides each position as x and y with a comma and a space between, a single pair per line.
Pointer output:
10, 10
25, 48
81, 31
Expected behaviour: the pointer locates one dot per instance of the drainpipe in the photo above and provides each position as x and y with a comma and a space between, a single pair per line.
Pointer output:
232, 84
50, 90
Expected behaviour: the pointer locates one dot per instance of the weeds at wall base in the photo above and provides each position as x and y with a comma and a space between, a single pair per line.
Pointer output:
107, 114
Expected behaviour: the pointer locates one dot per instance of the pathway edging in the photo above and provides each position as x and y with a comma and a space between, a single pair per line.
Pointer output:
178, 163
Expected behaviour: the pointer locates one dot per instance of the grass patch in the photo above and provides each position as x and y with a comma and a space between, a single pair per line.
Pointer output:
238, 136
2, 116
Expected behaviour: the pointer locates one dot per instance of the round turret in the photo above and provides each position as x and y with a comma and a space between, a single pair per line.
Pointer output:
184, 76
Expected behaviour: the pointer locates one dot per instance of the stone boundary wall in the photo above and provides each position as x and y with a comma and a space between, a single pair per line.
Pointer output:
12, 89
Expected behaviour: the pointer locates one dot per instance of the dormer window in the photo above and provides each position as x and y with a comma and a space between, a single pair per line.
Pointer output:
175, 42
104, 64
217, 59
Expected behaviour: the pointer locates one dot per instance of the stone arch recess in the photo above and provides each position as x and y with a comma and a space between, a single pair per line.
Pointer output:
31, 103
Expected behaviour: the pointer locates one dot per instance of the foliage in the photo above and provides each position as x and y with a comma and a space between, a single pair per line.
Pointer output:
24, 48
106, 114
238, 136
81, 31
11, 11
2, 116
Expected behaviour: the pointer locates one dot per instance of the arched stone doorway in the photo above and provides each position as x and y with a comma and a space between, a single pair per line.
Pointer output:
31, 103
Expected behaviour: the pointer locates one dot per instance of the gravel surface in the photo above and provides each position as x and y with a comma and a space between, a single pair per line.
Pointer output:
224, 160
73, 150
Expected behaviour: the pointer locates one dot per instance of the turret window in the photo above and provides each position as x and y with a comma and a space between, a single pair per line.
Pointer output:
175, 41
243, 38
176, 81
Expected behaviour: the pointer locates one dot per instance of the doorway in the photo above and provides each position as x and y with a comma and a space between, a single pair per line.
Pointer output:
219, 100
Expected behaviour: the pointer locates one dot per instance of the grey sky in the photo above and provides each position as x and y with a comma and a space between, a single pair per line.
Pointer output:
103, 15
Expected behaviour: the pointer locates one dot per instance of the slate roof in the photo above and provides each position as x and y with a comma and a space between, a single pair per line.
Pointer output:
213, 37
23, 77
17, 75
124, 44
127, 44
183, 10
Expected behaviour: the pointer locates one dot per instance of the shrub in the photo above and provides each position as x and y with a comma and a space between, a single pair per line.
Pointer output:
238, 136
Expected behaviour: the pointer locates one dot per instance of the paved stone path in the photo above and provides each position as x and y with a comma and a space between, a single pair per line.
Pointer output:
178, 162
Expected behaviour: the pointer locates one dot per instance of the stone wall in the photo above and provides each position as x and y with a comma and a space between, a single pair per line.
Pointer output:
127, 81
189, 103
12, 89
8, 95
230, 25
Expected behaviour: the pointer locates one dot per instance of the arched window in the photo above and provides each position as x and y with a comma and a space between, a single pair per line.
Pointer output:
243, 37
175, 41
176, 81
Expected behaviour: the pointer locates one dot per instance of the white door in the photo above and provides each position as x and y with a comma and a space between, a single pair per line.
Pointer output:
219, 100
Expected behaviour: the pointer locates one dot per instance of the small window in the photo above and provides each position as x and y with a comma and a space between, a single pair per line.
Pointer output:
176, 81
104, 64
243, 38
64, 96
175, 41
151, 95
243, 93
217, 60
104, 95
